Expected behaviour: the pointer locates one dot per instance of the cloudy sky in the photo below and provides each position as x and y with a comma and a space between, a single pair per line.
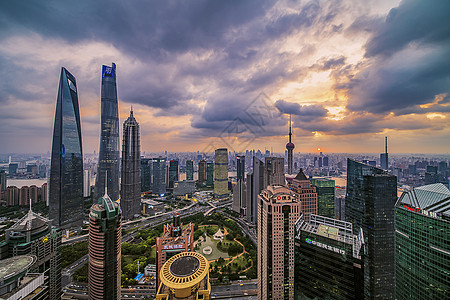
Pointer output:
205, 74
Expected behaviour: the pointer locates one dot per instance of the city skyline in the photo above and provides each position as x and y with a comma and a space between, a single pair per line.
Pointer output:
347, 72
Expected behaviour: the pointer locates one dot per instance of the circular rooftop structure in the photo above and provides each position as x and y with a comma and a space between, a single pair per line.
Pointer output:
184, 271
11, 268
290, 146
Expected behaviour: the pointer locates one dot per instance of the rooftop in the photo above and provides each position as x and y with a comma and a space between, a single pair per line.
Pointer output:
13, 266
432, 198
31, 221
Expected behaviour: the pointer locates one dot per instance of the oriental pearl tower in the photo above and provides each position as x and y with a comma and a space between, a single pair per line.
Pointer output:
290, 148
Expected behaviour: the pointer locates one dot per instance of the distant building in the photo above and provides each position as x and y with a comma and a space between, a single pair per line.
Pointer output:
105, 240
240, 198
255, 184
173, 173
184, 276
384, 157
307, 194
130, 191
339, 208
278, 210
240, 168
87, 183
159, 176
371, 196
175, 239
66, 203
13, 168
146, 174
273, 171
3, 181
33, 235
422, 243
183, 188
325, 196
202, 171
210, 174
12, 196
108, 155
189, 169
221, 173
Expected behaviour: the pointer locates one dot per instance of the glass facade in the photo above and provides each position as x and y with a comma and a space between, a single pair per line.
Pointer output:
209, 173
240, 167
173, 173
159, 176
422, 243
146, 174
370, 201
325, 196
108, 160
66, 174
189, 170
202, 172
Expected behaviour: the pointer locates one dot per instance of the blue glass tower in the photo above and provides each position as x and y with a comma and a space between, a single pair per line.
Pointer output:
66, 174
108, 160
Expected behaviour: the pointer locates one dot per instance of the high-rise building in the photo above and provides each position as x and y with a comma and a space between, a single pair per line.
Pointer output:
87, 183
278, 210
384, 157
105, 240
307, 194
221, 173
209, 173
240, 198
325, 161
202, 172
184, 276
189, 169
240, 168
44, 192
325, 196
146, 174
66, 203
173, 173
130, 191
33, 235
328, 260
12, 196
273, 171
176, 238
290, 149
108, 160
255, 183
422, 243
159, 176
12, 169
3, 181
371, 196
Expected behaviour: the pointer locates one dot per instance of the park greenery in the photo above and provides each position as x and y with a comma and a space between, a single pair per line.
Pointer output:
72, 253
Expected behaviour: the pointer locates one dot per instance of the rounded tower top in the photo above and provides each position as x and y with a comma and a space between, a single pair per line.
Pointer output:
290, 146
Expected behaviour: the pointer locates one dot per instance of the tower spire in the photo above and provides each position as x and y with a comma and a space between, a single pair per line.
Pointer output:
290, 129
106, 184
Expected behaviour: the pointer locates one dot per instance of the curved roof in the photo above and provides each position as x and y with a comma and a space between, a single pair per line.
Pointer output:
290, 146
31, 221
432, 197
10, 267
184, 270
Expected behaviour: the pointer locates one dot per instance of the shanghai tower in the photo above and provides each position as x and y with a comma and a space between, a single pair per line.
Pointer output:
130, 189
66, 174
108, 161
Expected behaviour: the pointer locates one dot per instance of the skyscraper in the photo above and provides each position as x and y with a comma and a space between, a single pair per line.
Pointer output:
290, 149
221, 173
189, 169
87, 183
3, 181
278, 210
255, 183
66, 203
422, 243
384, 158
146, 174
105, 239
325, 196
173, 173
202, 171
209, 173
371, 196
239, 198
274, 171
159, 176
240, 168
307, 194
130, 191
108, 159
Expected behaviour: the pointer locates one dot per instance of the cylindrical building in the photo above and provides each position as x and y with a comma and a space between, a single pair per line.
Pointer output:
105, 239
221, 173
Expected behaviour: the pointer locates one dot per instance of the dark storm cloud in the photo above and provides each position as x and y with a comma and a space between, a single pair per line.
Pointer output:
306, 112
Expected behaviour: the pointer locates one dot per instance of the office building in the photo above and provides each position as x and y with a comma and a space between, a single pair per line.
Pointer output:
189, 169
183, 188
306, 193
173, 173
273, 171
339, 208
175, 239
325, 196
43, 171
105, 241
185, 276
240, 198
16, 282
12, 168
210, 173
202, 172
3, 181
87, 183
278, 210
240, 168
130, 190
159, 176
384, 157
33, 235
66, 203
290, 149
146, 174
422, 243
255, 184
108, 159
371, 196
328, 260
221, 173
